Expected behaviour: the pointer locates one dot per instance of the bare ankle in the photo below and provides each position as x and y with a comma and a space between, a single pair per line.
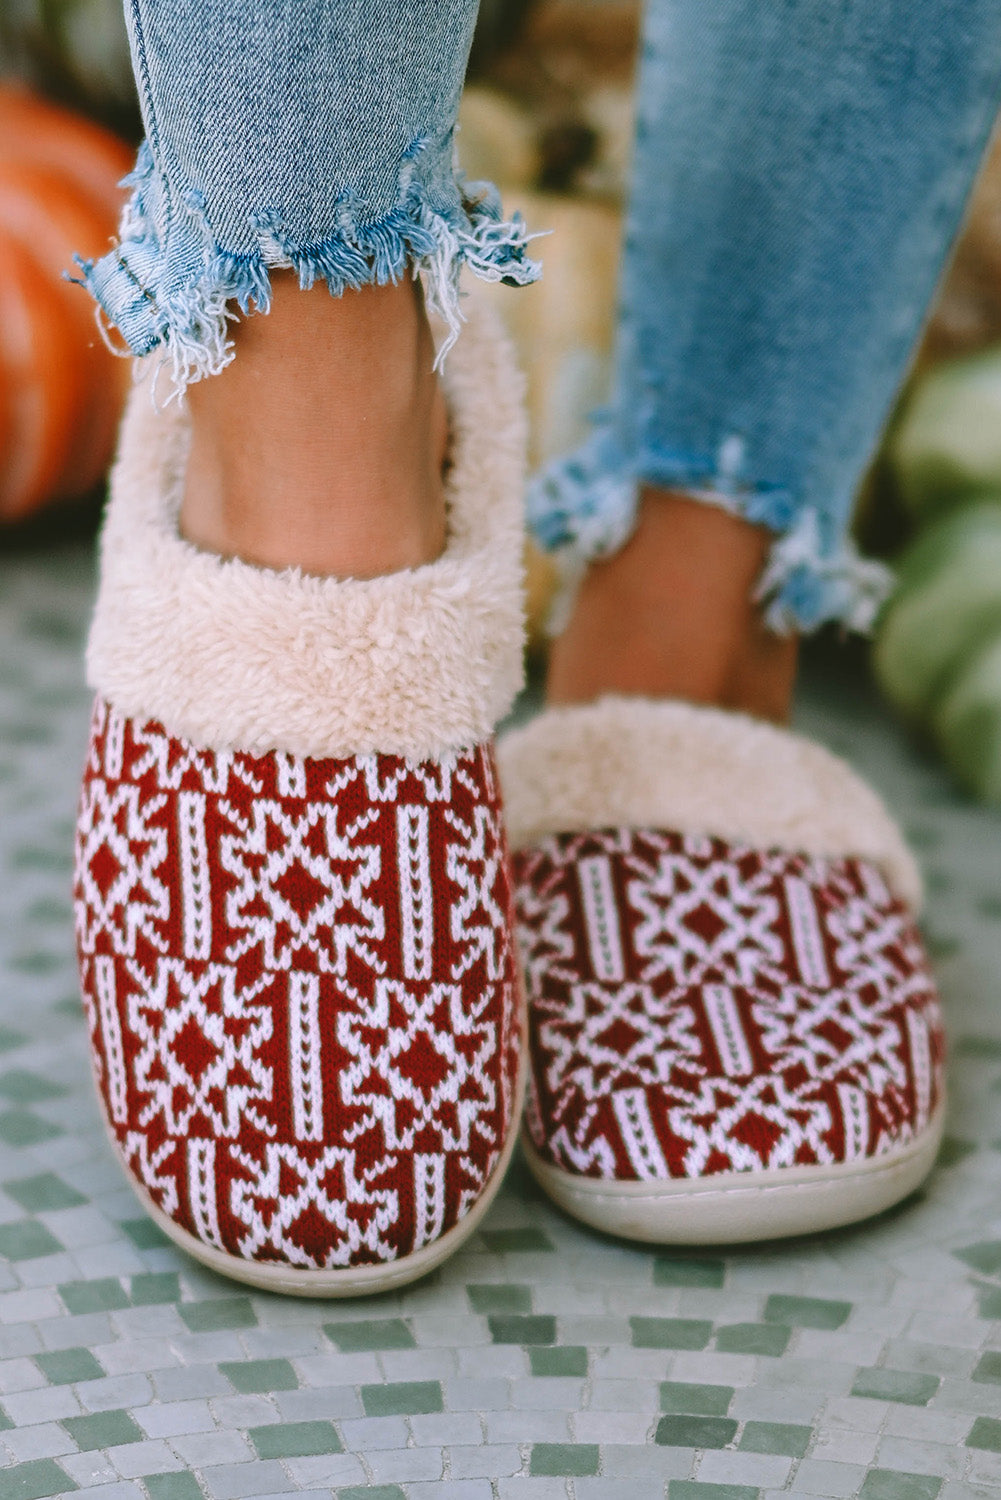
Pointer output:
321, 446
672, 615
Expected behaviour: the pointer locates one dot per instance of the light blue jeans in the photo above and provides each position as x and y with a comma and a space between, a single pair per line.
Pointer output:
311, 134
801, 168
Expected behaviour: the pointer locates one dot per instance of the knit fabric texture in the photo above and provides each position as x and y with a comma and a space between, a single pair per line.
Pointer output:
301, 987
698, 1006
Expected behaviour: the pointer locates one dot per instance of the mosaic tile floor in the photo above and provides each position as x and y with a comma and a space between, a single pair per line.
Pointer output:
542, 1361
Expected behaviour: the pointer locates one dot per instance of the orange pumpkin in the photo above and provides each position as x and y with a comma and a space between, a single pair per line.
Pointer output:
61, 390
36, 381
36, 131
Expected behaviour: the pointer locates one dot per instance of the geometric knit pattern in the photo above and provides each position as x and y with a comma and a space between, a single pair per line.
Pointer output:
301, 986
697, 1007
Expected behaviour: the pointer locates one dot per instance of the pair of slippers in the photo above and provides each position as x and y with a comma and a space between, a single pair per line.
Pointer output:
328, 969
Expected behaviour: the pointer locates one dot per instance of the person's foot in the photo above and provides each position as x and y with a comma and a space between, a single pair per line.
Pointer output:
672, 615
321, 445
733, 1031
292, 887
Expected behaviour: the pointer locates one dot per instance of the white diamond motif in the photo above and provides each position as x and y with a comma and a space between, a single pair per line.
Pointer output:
668, 894
199, 1043
384, 1078
286, 1184
277, 854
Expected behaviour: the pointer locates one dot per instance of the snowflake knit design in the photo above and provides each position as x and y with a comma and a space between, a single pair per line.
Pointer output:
698, 1007
301, 986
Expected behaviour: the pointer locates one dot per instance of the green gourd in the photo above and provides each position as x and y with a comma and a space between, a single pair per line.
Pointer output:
945, 446
938, 641
938, 644
946, 602
967, 723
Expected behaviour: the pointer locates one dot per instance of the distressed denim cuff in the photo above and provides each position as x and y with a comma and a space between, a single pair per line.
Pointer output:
168, 282
584, 507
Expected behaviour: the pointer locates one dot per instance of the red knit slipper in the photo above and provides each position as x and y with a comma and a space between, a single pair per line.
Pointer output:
734, 1034
292, 887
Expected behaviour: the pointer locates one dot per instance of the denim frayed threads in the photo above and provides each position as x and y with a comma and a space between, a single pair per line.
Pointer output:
584, 507
316, 137
180, 289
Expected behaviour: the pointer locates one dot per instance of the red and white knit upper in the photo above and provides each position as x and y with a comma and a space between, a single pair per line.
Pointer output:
721, 961
698, 1007
301, 988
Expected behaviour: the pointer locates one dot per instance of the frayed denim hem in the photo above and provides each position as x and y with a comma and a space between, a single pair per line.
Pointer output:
584, 507
805, 585
190, 319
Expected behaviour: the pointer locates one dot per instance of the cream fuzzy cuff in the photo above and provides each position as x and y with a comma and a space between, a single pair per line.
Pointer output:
419, 663
634, 763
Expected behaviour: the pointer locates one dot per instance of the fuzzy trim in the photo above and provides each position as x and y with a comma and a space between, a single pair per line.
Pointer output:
635, 762
419, 663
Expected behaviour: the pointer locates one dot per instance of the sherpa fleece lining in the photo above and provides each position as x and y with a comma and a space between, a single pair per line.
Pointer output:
635, 763
418, 664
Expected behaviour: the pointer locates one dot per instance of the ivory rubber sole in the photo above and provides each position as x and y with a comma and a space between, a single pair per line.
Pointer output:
735, 1208
340, 1281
